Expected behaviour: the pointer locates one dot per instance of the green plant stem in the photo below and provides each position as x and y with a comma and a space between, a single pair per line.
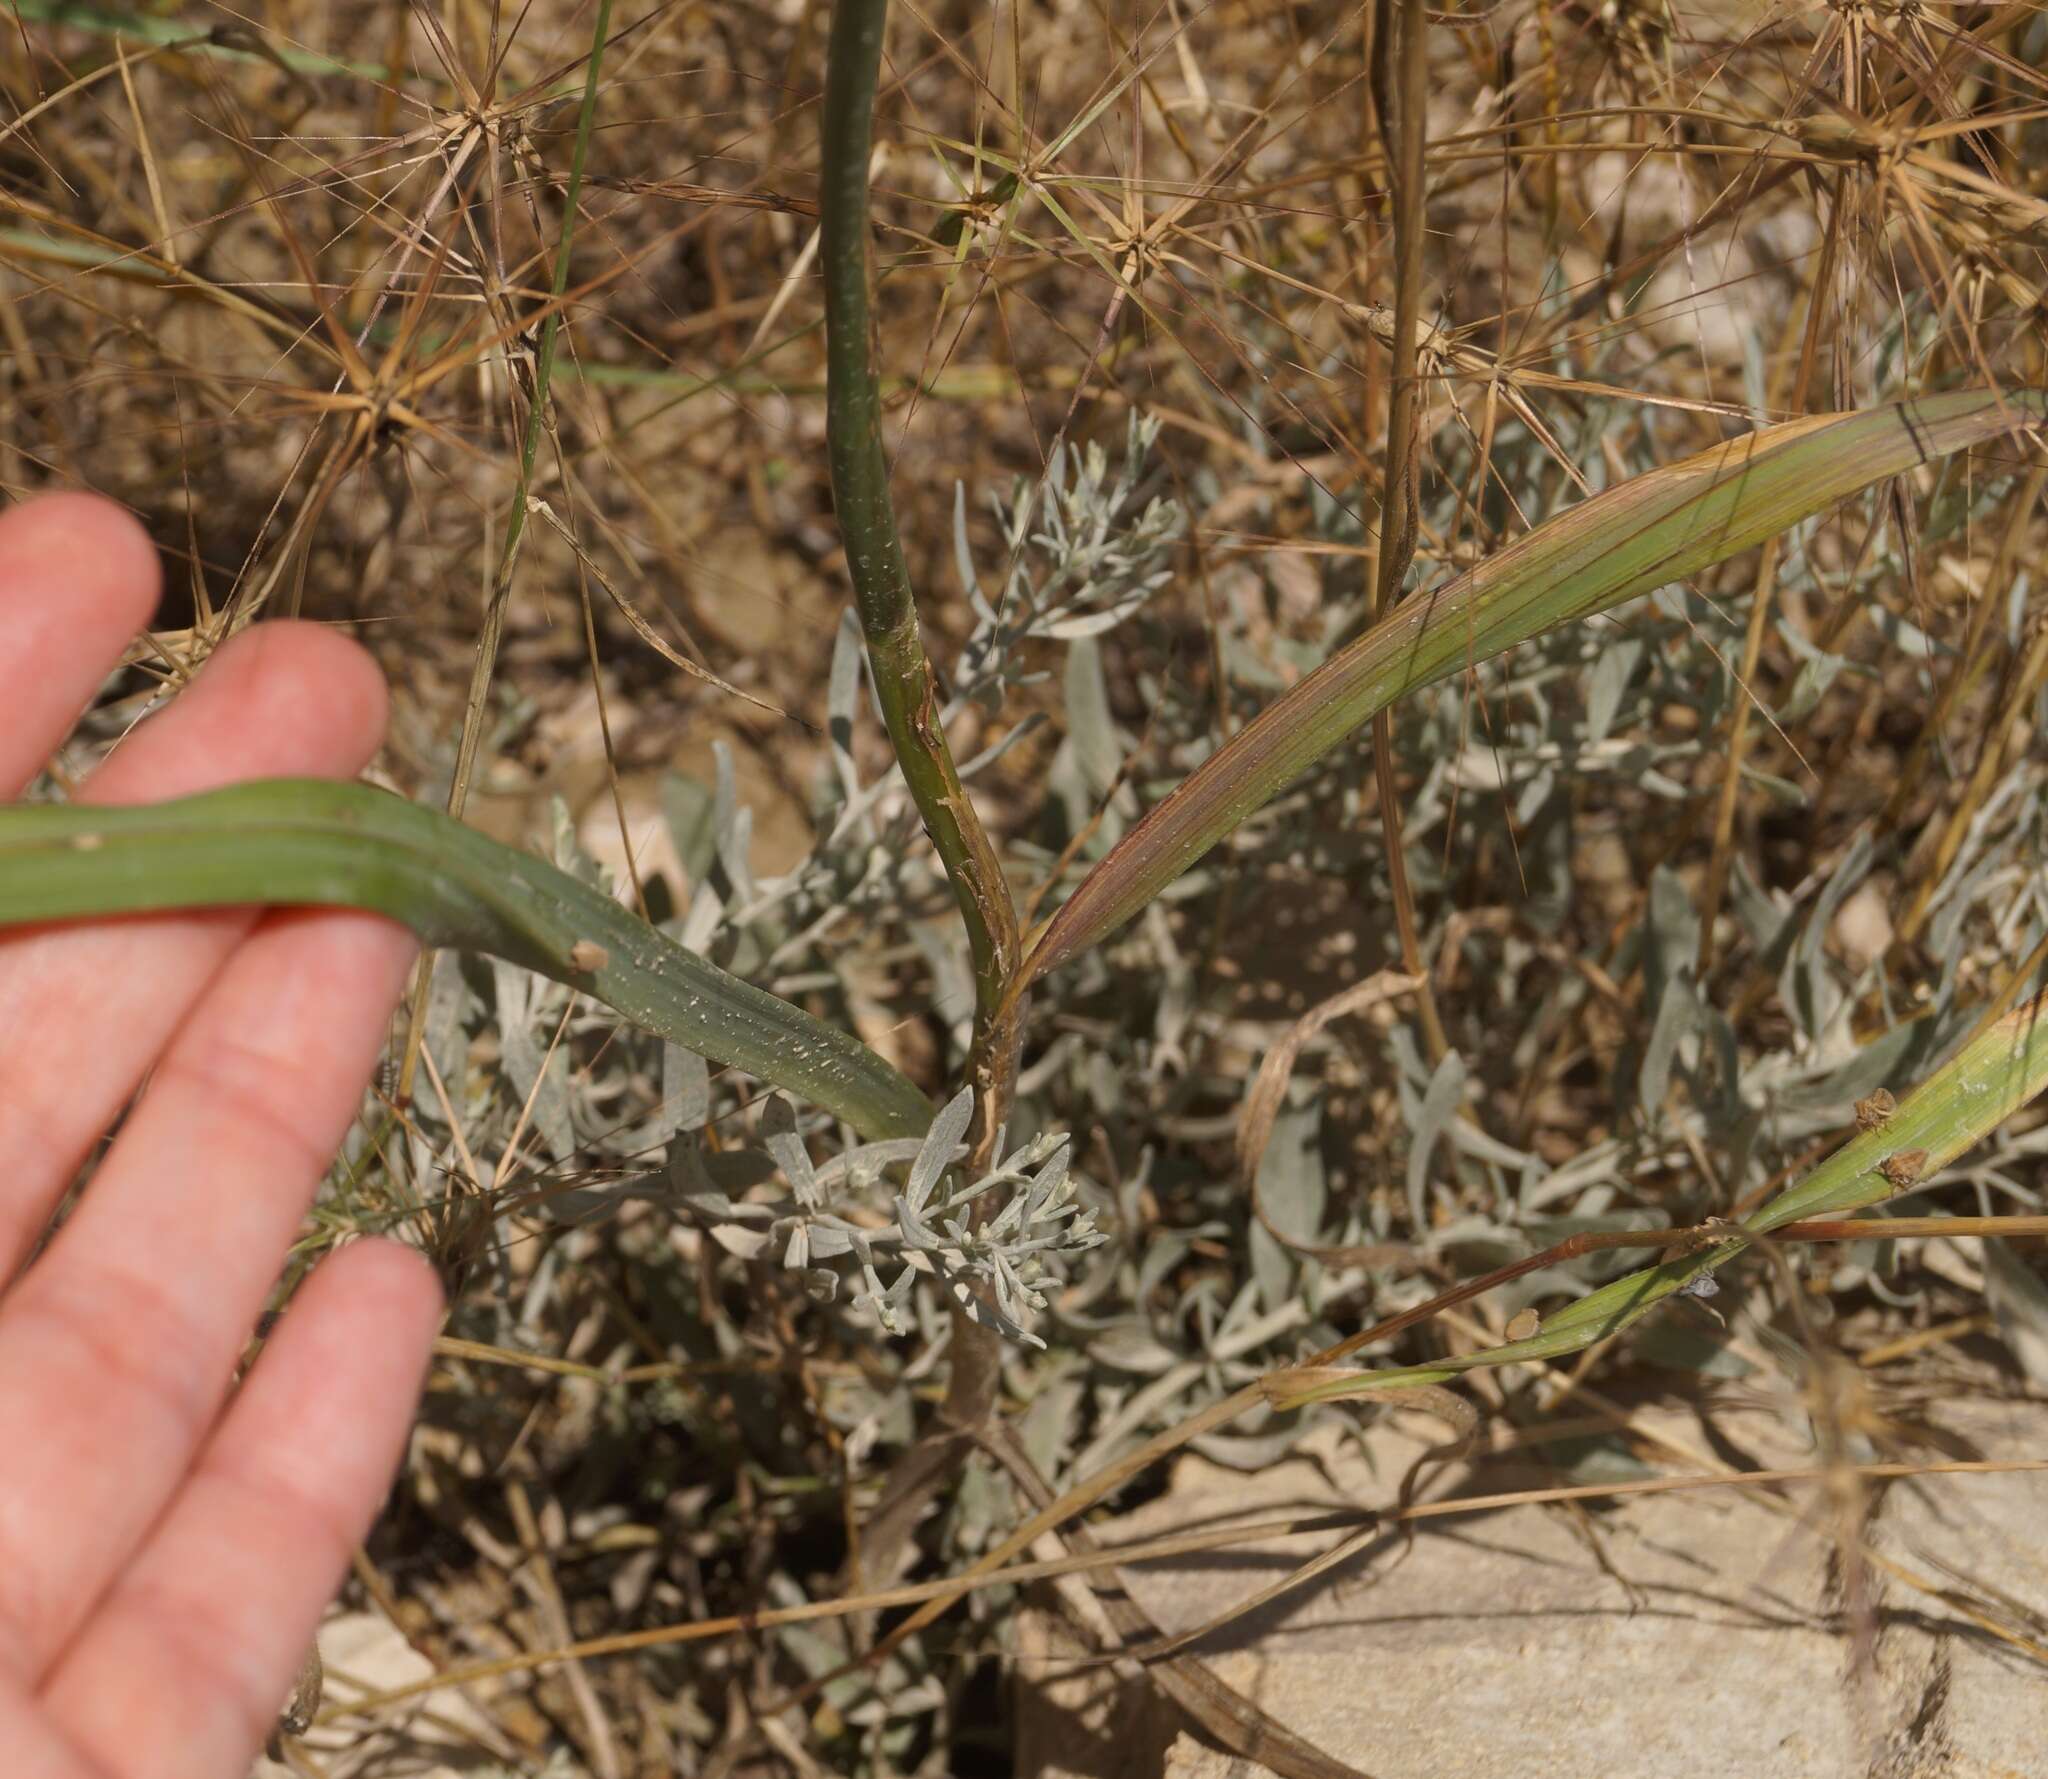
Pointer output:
904, 684
314, 842
908, 694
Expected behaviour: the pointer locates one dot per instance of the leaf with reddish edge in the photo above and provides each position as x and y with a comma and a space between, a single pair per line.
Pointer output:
1630, 540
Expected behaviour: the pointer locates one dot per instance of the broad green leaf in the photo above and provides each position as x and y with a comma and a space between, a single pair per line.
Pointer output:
1986, 1082
312, 841
1628, 541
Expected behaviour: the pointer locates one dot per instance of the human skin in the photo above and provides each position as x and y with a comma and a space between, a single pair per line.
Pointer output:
167, 1544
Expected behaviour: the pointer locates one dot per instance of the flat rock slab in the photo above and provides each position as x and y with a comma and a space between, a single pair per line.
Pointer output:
1689, 1635
436, 1735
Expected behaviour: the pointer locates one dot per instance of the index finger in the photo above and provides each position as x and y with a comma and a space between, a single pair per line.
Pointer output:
78, 578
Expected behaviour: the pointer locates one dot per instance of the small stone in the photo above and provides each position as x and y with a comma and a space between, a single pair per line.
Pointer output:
1863, 928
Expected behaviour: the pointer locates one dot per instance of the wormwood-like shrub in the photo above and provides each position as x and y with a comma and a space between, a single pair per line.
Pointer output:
1324, 907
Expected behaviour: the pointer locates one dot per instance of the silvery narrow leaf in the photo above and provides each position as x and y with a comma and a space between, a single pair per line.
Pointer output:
1251, 1452
1678, 1016
1782, 792
1904, 635
1022, 1160
735, 1238
512, 989
1807, 985
862, 1166
1440, 1103
797, 1251
689, 810
449, 1005
1053, 1178
1674, 931
1082, 626
952, 996
989, 1315
886, 1303
1816, 674
686, 1172
778, 1131
685, 1093
538, 1075
1725, 1056
830, 1238
588, 1205
707, 910
1097, 747
1133, 1350
568, 848
941, 1144
842, 699
715, 1207
1855, 866
1882, 1060
1009, 738
963, 557
1164, 1252
1534, 796
1045, 1429
915, 1231
1766, 916
1007, 1222
821, 1284
1176, 1009
1011, 1293
1483, 1145
1607, 683
1292, 1184
735, 827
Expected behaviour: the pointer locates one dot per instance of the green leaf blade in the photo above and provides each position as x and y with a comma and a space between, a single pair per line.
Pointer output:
1995, 1073
1631, 540
315, 842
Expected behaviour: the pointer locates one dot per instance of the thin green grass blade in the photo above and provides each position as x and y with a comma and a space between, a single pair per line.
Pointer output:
316, 842
1628, 541
1983, 1084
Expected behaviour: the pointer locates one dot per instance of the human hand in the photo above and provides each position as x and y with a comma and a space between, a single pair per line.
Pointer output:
163, 1562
